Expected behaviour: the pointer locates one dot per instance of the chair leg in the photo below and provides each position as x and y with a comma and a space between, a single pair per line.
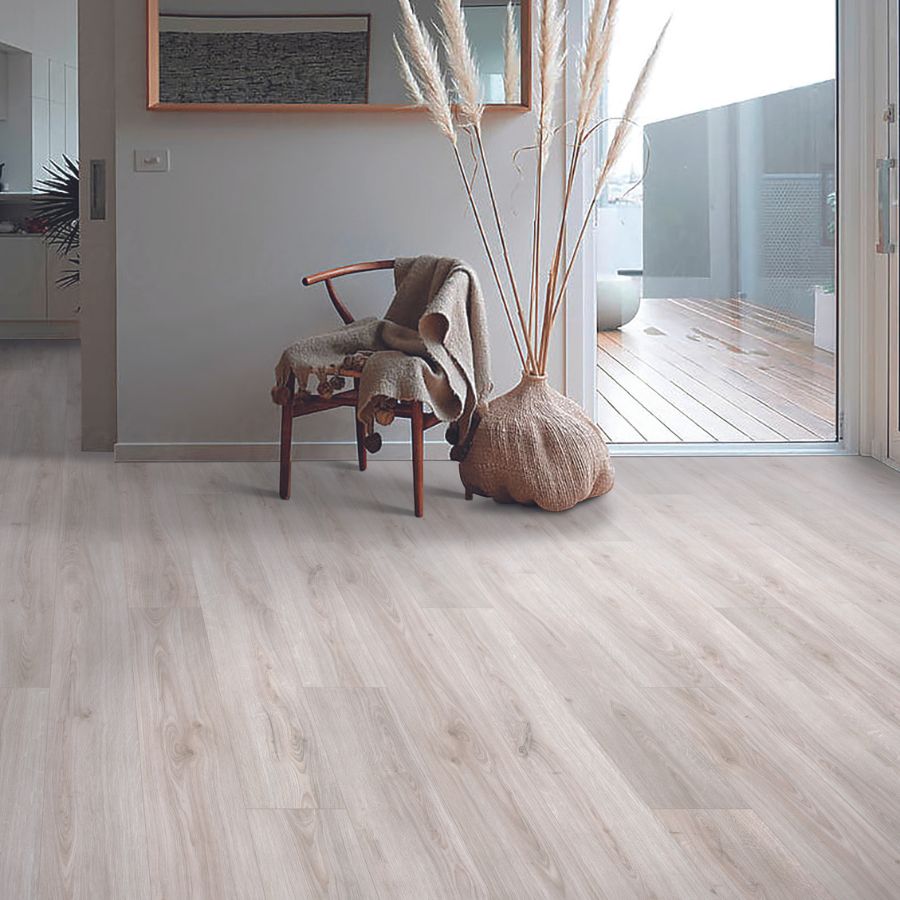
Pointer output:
287, 428
418, 455
361, 454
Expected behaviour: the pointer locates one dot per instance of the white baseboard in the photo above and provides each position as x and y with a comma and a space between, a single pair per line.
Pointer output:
268, 452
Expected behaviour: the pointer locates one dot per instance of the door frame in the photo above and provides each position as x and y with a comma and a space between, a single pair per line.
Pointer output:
876, 412
97, 144
858, 30
580, 308
890, 377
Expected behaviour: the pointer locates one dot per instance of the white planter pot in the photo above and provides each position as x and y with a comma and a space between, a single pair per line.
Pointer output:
825, 328
618, 300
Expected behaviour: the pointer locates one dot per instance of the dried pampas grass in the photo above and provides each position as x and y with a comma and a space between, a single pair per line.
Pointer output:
595, 61
627, 123
463, 69
512, 60
413, 90
424, 80
551, 30
423, 58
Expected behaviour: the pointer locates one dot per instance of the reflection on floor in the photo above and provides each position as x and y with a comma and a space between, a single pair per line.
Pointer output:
714, 370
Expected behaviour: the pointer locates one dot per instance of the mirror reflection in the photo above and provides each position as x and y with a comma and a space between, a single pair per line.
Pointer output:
293, 52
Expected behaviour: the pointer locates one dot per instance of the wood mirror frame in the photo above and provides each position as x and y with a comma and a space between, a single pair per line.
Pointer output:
154, 102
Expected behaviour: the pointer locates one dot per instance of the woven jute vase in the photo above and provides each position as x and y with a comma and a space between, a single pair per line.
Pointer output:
535, 446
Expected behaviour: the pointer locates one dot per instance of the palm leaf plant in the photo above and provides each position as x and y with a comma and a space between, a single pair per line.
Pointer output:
57, 204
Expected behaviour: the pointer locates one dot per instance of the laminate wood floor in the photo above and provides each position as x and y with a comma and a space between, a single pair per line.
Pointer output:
714, 370
688, 688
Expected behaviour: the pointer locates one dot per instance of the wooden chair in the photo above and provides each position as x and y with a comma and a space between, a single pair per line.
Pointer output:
304, 405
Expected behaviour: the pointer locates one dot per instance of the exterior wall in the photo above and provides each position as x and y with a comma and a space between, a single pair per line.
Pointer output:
735, 201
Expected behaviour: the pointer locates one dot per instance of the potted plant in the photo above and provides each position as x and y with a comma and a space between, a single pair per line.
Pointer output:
531, 445
57, 205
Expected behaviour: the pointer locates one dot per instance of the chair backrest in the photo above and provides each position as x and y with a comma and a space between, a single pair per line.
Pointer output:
353, 269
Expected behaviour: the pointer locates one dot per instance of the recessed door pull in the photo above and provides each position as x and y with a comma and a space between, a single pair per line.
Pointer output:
883, 187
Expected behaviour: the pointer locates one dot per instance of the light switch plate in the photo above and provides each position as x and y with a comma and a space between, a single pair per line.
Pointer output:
152, 161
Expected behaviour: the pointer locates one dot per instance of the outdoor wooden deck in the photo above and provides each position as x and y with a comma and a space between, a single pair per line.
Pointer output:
714, 370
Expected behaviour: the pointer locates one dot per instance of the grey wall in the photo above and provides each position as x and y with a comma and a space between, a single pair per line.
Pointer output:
210, 255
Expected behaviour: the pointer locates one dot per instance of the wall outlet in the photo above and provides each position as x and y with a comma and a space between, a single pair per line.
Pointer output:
152, 161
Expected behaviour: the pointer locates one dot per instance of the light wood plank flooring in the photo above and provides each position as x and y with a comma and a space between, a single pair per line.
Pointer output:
688, 688
714, 370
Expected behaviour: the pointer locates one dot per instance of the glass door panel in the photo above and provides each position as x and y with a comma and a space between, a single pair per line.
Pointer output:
715, 241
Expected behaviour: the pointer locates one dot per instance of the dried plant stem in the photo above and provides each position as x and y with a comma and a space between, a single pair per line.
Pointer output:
601, 182
616, 148
557, 259
490, 254
536, 253
550, 61
595, 62
529, 344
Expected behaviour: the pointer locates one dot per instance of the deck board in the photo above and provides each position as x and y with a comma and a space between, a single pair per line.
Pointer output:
700, 371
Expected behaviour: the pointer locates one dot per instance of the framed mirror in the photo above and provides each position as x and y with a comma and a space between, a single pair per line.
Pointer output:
306, 55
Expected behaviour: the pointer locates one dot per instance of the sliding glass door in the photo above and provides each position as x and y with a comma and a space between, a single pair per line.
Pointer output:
715, 243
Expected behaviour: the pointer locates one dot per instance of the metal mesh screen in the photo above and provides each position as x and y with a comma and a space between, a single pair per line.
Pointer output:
795, 254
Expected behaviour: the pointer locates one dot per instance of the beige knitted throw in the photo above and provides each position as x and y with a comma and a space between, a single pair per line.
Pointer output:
432, 345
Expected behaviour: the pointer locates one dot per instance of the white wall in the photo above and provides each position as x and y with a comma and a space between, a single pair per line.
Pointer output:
4, 86
46, 28
45, 125
54, 113
15, 126
210, 255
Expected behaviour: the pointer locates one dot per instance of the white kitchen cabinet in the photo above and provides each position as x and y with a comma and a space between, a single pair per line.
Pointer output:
32, 304
23, 278
62, 302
